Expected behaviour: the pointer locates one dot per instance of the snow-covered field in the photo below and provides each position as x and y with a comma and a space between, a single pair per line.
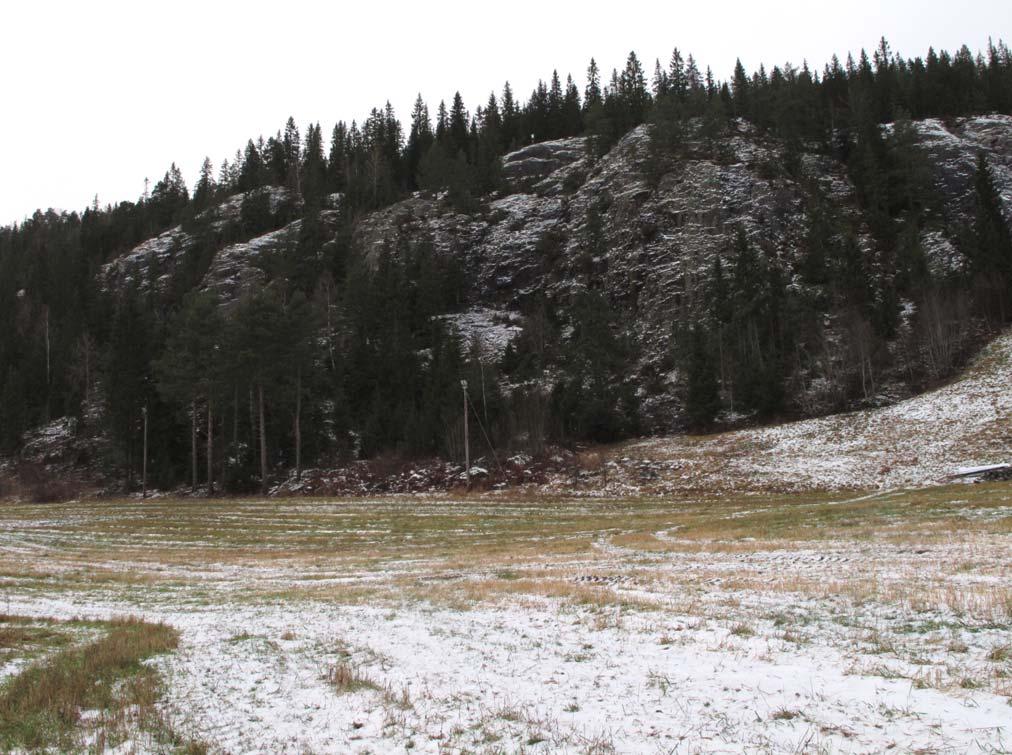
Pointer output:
813, 623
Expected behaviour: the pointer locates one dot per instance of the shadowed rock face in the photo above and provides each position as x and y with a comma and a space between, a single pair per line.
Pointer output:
952, 151
534, 166
153, 263
661, 230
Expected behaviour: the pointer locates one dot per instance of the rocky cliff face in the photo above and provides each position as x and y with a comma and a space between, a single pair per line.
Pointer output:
952, 150
660, 231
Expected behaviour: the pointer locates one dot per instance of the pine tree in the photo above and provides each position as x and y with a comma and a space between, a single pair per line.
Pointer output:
203, 192
276, 166
817, 249
487, 165
225, 183
127, 376
298, 331
592, 96
555, 124
458, 125
678, 78
537, 114
252, 174
189, 370
595, 403
291, 143
510, 119
313, 168
990, 244
420, 139
339, 160
702, 390
443, 126
169, 198
572, 110
632, 92
667, 133
740, 91
256, 341
660, 83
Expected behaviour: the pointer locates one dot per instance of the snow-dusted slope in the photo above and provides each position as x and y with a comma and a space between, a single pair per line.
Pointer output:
155, 261
952, 151
913, 443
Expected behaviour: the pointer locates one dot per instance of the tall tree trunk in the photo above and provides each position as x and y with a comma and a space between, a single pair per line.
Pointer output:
48, 377
298, 424
235, 432
252, 420
235, 419
484, 399
263, 443
87, 371
144, 459
330, 331
210, 446
130, 466
193, 444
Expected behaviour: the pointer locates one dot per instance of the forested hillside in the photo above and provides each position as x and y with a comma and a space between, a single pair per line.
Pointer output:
641, 254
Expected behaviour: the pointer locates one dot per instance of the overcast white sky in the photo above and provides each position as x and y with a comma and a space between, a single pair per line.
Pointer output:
99, 95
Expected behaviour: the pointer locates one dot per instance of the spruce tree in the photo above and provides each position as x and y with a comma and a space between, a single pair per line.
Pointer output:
633, 93
510, 119
592, 96
990, 245
740, 91
702, 390
203, 192
252, 174
458, 125
313, 168
572, 110
339, 159
420, 139
678, 78
291, 144
188, 371
127, 371
555, 126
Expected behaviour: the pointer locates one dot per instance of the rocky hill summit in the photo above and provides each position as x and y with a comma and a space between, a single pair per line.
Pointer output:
659, 226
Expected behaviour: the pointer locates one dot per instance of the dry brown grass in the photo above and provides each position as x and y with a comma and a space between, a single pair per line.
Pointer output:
1000, 653
346, 678
457, 552
21, 636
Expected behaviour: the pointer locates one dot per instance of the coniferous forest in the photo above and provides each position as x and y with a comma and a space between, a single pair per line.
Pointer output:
336, 351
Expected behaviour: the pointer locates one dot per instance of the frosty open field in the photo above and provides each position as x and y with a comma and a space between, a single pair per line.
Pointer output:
813, 623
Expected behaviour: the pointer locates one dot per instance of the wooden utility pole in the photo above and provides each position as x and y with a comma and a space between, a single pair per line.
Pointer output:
144, 461
467, 445
298, 424
263, 442
193, 445
210, 446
